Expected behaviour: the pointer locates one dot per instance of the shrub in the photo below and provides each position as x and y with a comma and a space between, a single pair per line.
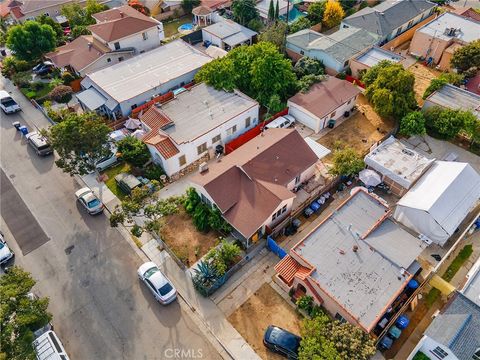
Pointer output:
22, 79
61, 94
11, 65
341, 75
305, 303
200, 217
67, 78
445, 123
223, 256
37, 85
413, 124
420, 356
346, 162
153, 172
191, 201
133, 151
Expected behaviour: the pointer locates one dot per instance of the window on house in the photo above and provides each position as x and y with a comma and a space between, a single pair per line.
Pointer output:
144, 36
410, 24
232, 130
247, 122
46, 14
349, 101
284, 208
302, 52
279, 212
205, 200
182, 160
274, 216
297, 179
108, 59
439, 352
398, 31
201, 148
333, 114
340, 318
216, 139
116, 45
476, 355
120, 58
134, 106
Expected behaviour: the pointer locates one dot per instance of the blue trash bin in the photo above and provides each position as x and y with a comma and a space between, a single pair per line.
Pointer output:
23, 130
412, 284
386, 343
402, 322
315, 206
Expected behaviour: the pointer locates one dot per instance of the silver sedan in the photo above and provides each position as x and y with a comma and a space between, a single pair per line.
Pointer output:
89, 201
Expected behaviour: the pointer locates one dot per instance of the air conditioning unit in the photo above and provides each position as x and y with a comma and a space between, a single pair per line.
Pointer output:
203, 167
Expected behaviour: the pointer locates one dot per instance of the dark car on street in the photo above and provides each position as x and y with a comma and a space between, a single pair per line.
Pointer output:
282, 342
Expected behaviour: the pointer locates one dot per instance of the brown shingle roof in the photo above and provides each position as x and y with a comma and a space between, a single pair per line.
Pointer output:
324, 97
250, 183
120, 22
78, 54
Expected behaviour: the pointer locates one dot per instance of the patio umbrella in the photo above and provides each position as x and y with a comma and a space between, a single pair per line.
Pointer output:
132, 124
138, 133
369, 177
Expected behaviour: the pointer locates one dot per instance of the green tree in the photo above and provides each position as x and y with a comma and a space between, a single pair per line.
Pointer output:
31, 40
47, 20
20, 315
271, 11
192, 200
438, 83
79, 30
275, 105
315, 11
467, 56
255, 25
217, 222
80, 141
471, 125
188, 5
61, 94
277, 11
445, 123
133, 151
389, 87
413, 124
333, 14
300, 24
275, 34
347, 162
80, 17
200, 217
308, 66
244, 11
307, 81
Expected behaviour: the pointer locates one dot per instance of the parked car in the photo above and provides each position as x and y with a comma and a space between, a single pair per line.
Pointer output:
89, 201
127, 182
39, 144
5, 253
282, 122
157, 283
43, 68
8, 105
107, 161
282, 341
48, 347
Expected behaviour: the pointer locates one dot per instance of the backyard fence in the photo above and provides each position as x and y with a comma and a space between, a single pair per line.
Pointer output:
275, 248
40, 107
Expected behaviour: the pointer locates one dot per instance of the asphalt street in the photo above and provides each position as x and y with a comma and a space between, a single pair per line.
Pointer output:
86, 268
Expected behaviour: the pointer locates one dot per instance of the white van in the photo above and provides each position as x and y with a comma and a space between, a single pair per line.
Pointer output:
8, 105
49, 347
282, 122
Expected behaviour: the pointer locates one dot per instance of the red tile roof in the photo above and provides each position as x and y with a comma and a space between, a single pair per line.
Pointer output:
16, 12
155, 120
162, 143
288, 268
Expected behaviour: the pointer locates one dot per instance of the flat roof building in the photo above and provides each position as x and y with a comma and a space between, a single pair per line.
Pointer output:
452, 97
371, 57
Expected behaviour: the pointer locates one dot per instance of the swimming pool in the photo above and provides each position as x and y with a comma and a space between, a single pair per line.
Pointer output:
293, 15
186, 27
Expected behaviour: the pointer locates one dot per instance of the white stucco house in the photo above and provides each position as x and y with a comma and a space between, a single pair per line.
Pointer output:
186, 129
227, 34
116, 90
324, 103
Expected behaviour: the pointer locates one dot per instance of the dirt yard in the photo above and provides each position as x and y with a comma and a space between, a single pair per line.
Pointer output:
185, 240
265, 307
423, 76
360, 131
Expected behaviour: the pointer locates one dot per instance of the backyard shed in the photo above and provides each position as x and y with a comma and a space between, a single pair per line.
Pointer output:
438, 203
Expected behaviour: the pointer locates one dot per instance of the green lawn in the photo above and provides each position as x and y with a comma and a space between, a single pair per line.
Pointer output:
171, 28
111, 184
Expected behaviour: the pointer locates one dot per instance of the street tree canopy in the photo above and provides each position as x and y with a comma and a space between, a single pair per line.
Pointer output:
20, 315
31, 40
80, 141
244, 11
389, 87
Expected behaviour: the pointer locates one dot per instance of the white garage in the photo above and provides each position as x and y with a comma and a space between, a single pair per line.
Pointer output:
438, 203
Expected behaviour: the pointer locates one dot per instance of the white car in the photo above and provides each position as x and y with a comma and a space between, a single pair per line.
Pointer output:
5, 252
157, 283
282, 122
107, 161
8, 105
89, 201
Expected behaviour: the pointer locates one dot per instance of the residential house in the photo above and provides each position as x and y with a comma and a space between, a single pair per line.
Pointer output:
228, 34
471, 289
324, 103
473, 84
454, 334
467, 12
356, 263
389, 18
440, 200
452, 97
116, 90
399, 166
254, 186
263, 6
335, 50
22, 10
437, 40
118, 34
371, 57
184, 131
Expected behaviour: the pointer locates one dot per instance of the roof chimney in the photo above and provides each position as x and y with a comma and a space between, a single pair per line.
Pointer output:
355, 248
122, 14
89, 46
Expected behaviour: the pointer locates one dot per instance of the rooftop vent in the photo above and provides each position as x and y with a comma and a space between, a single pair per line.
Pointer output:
122, 14
408, 152
355, 248
451, 31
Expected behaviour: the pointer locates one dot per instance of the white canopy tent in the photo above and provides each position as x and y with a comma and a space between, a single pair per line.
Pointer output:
438, 203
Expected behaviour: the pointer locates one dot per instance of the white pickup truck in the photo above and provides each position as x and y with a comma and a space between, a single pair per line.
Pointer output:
8, 105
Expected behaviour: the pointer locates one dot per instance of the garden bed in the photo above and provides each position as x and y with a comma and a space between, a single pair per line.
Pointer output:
181, 236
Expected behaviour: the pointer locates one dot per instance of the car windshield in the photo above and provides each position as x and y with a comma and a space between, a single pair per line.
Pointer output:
165, 289
150, 272
93, 203
8, 102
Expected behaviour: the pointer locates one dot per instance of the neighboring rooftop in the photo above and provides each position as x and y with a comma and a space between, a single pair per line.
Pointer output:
27, 6
401, 164
471, 289
117, 23
201, 109
360, 257
467, 12
149, 70
303, 37
324, 97
387, 16
467, 29
215, 4
230, 32
263, 6
458, 327
250, 183
453, 97
375, 54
